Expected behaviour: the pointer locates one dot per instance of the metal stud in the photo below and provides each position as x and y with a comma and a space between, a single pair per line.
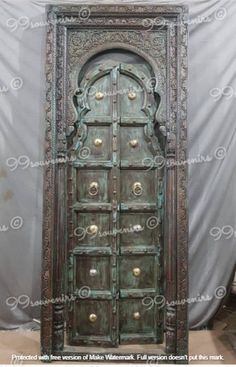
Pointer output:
137, 228
136, 316
97, 142
99, 96
93, 229
92, 317
133, 143
93, 272
131, 96
136, 272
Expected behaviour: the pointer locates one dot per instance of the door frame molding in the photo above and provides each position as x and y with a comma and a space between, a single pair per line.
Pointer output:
62, 58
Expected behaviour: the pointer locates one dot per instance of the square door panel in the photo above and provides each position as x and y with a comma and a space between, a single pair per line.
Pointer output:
99, 106
99, 143
92, 186
93, 318
84, 232
135, 318
146, 235
134, 146
137, 272
131, 98
138, 186
93, 272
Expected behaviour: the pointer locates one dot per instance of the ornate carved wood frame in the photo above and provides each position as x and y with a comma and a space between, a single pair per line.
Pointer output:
69, 45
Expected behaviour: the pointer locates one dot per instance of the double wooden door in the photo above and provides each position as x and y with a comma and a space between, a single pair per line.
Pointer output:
115, 203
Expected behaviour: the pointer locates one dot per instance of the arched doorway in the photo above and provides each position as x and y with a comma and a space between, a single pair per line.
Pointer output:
116, 247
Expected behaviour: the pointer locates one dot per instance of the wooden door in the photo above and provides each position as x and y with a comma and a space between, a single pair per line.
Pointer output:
115, 201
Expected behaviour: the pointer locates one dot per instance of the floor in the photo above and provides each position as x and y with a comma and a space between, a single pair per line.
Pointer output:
202, 345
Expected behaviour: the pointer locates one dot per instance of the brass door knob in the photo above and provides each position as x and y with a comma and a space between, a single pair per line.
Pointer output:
93, 272
133, 143
137, 189
136, 272
131, 95
99, 96
97, 142
93, 188
136, 316
92, 229
92, 317
138, 228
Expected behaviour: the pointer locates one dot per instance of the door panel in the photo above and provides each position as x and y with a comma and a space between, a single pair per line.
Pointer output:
92, 186
92, 323
134, 146
137, 324
131, 97
88, 236
138, 186
93, 272
99, 106
136, 232
99, 143
117, 237
137, 272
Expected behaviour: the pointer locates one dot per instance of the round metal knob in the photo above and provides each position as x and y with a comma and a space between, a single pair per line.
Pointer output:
136, 272
131, 96
93, 188
92, 317
92, 229
133, 143
136, 315
99, 96
93, 272
97, 142
137, 228
137, 189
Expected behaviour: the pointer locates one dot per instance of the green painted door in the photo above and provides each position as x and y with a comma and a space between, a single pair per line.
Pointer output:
114, 274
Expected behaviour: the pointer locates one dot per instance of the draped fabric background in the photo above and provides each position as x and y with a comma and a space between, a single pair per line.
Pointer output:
212, 146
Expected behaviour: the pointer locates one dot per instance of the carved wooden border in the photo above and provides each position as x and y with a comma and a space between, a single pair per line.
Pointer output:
59, 120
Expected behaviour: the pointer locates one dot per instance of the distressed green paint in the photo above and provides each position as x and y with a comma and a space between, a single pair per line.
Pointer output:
114, 191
